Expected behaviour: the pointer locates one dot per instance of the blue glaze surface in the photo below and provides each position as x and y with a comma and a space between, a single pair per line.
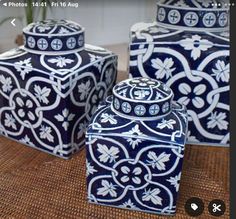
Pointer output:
47, 98
194, 62
135, 162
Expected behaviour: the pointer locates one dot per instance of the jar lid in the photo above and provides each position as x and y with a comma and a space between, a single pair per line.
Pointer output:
50, 36
194, 14
142, 98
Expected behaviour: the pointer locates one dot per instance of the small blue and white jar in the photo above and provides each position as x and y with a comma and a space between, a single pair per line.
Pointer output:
51, 86
188, 49
135, 148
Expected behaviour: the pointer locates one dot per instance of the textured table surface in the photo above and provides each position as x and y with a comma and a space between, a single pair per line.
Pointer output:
37, 185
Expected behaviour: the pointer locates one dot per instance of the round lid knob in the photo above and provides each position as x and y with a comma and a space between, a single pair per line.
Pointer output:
142, 98
53, 36
194, 14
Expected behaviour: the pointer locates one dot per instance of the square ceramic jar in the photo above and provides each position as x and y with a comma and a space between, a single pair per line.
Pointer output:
135, 148
188, 49
50, 87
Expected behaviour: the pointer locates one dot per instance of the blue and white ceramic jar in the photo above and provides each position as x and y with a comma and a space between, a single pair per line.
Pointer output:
188, 49
50, 87
135, 148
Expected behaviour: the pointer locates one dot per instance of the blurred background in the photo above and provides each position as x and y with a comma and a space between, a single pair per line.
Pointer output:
107, 22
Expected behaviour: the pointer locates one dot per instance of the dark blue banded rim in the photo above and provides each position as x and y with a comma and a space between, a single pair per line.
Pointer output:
215, 19
141, 109
51, 43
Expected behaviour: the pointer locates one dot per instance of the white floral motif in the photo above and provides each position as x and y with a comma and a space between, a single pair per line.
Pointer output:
63, 30
165, 87
94, 58
158, 95
61, 61
65, 118
42, 93
43, 28
45, 133
108, 75
152, 195
134, 175
197, 101
158, 162
26, 140
108, 188
206, 3
191, 138
108, 118
10, 121
134, 142
196, 45
175, 181
24, 67
163, 68
217, 120
129, 204
6, 83
107, 154
94, 101
222, 71
181, 3
89, 169
166, 124
141, 94
21, 112
84, 89
142, 84
74, 26
82, 128
123, 92
134, 131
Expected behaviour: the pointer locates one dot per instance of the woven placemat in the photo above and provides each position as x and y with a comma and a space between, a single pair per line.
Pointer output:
36, 185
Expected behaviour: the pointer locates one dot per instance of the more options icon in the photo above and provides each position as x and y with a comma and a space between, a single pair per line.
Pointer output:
194, 206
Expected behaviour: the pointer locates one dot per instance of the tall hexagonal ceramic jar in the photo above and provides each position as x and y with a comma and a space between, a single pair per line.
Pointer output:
135, 148
51, 86
188, 49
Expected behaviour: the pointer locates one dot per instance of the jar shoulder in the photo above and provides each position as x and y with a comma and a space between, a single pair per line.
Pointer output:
154, 33
62, 65
170, 128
